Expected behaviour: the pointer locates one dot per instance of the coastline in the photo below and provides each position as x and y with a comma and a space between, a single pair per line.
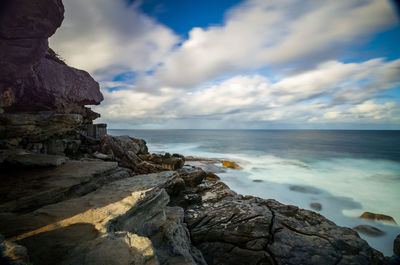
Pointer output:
341, 186
72, 194
179, 212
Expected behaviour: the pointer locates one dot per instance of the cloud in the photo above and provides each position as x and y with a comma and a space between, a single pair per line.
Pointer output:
369, 109
105, 37
269, 62
316, 96
109, 37
261, 33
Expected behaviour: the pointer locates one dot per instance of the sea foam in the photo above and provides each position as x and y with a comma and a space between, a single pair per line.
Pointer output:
345, 187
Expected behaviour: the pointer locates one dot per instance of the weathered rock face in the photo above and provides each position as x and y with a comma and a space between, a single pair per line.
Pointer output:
28, 80
25, 27
168, 161
68, 215
40, 98
232, 229
24, 159
132, 153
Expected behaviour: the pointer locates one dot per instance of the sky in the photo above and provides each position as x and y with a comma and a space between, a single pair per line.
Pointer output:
251, 64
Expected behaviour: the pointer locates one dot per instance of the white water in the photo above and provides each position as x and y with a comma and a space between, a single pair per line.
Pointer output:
345, 187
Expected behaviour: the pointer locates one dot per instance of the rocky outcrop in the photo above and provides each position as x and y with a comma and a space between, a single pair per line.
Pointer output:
369, 230
92, 212
234, 229
132, 153
134, 207
28, 79
42, 101
168, 161
21, 158
377, 217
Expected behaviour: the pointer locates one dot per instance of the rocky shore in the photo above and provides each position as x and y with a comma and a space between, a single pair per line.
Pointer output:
71, 194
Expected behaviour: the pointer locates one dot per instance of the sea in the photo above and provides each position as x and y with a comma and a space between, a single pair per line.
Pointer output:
347, 172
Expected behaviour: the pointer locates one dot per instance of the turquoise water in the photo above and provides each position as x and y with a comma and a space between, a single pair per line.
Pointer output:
348, 172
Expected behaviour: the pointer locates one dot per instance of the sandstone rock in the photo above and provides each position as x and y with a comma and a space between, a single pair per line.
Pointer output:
316, 206
175, 186
24, 30
207, 164
124, 149
377, 217
231, 164
56, 229
164, 225
233, 229
211, 177
369, 230
145, 167
28, 80
167, 161
27, 190
121, 249
11, 253
41, 99
203, 159
125, 222
396, 245
192, 176
31, 160
41, 132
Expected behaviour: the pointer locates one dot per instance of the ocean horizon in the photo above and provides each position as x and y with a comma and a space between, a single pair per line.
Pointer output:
347, 172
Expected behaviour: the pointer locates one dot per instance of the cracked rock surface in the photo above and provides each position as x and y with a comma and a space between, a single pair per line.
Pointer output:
235, 229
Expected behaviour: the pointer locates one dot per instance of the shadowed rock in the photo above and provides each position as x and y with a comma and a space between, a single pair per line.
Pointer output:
316, 206
396, 245
369, 230
232, 229
304, 189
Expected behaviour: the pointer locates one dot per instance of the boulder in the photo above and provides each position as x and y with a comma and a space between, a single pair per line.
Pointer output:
369, 230
316, 206
231, 229
211, 177
192, 176
167, 161
377, 217
230, 164
207, 164
123, 149
396, 245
